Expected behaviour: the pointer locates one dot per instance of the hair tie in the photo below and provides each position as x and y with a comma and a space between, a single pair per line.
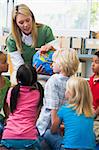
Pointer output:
19, 82
17, 8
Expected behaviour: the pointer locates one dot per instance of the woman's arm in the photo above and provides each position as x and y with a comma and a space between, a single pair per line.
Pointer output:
16, 61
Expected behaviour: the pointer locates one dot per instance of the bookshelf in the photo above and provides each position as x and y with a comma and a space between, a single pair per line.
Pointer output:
85, 47
85, 57
85, 65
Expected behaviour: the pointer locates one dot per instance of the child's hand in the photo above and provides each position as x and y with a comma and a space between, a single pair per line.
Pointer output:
97, 111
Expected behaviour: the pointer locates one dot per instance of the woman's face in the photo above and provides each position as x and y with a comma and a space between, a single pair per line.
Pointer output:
24, 23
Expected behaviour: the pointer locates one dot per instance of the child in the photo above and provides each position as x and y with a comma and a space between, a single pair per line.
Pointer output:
65, 64
77, 116
23, 101
94, 84
4, 85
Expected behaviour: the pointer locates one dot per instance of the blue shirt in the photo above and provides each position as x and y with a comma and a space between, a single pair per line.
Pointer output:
78, 129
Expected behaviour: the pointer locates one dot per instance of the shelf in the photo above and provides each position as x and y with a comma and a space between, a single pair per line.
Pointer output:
85, 56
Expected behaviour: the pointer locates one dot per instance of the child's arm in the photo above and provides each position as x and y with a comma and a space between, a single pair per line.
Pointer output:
5, 107
55, 121
6, 110
53, 115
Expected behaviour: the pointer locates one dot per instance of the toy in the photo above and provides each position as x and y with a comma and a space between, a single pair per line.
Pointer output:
45, 60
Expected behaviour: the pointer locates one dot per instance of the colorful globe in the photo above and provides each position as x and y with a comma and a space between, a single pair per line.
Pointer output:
45, 60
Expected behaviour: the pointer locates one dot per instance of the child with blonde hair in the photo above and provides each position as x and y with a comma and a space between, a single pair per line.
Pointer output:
77, 116
65, 64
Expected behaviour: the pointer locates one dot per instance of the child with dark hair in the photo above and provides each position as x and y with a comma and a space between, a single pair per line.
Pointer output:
24, 101
4, 85
94, 84
94, 81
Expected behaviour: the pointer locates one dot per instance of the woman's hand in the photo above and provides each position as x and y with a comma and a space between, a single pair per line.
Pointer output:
46, 48
39, 69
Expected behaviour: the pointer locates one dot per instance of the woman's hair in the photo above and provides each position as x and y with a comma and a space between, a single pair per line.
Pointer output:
26, 76
80, 98
16, 32
67, 60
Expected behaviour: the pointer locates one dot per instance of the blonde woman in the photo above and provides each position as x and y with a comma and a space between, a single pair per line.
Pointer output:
65, 64
77, 116
26, 36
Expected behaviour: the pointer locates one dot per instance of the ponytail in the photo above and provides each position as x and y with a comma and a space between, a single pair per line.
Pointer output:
14, 97
41, 90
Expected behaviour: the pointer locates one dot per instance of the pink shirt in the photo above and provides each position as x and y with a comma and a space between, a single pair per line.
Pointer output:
22, 123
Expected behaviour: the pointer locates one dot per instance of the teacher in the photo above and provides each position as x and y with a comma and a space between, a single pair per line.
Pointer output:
26, 37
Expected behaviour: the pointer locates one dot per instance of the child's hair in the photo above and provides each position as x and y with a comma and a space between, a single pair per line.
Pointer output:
67, 60
80, 98
97, 53
26, 76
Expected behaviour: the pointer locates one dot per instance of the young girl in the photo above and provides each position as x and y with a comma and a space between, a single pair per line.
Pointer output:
4, 85
77, 116
23, 100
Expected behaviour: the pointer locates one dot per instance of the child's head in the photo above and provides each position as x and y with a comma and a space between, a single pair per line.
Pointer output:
65, 61
79, 96
3, 62
95, 63
26, 75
